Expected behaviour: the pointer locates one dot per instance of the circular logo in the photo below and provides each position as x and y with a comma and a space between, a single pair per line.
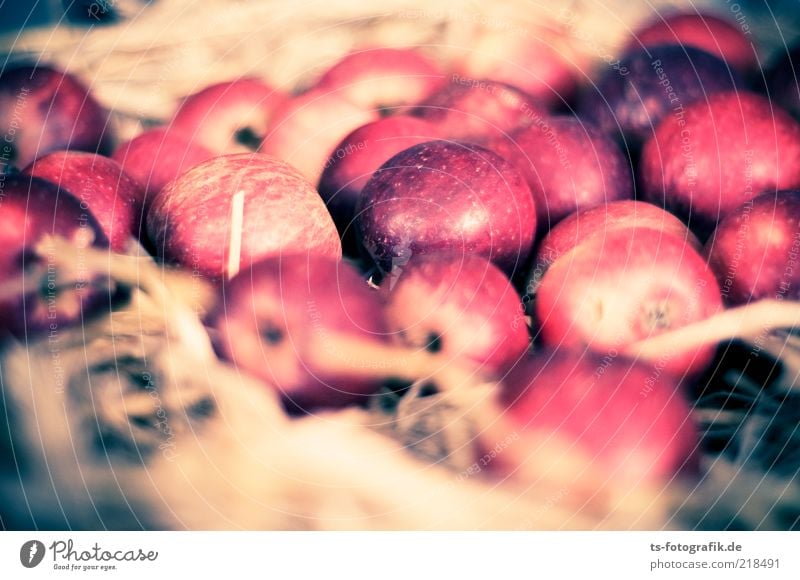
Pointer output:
31, 553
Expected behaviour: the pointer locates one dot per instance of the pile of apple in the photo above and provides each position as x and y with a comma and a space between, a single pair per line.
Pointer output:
521, 224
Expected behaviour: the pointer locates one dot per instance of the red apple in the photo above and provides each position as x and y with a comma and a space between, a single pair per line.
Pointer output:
755, 250
719, 155
569, 166
157, 156
611, 292
281, 320
659, 83
479, 110
305, 130
44, 110
101, 185
31, 209
595, 224
461, 306
614, 421
783, 81
381, 77
229, 117
447, 197
732, 43
190, 220
360, 154
533, 63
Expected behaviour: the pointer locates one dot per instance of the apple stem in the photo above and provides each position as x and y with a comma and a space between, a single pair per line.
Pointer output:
237, 224
751, 322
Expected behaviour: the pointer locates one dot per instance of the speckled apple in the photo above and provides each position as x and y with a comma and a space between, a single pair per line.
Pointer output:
447, 197
189, 222
360, 154
609, 293
596, 223
102, 186
462, 307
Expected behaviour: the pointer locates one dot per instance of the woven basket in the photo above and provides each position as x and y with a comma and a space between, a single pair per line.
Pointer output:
297, 475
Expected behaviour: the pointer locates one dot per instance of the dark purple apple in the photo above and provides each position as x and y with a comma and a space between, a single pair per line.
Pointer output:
52, 299
229, 117
783, 81
461, 307
447, 197
157, 156
612, 292
719, 155
380, 77
191, 220
284, 319
479, 110
596, 223
101, 185
755, 250
360, 154
44, 110
569, 166
610, 421
703, 31
659, 82
305, 130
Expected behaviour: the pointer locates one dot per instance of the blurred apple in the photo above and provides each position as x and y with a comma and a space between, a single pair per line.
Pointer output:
31, 209
382, 77
783, 80
478, 110
461, 307
535, 63
42, 110
720, 154
280, 319
229, 117
306, 129
157, 156
447, 197
755, 250
659, 82
703, 31
610, 422
190, 222
101, 185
